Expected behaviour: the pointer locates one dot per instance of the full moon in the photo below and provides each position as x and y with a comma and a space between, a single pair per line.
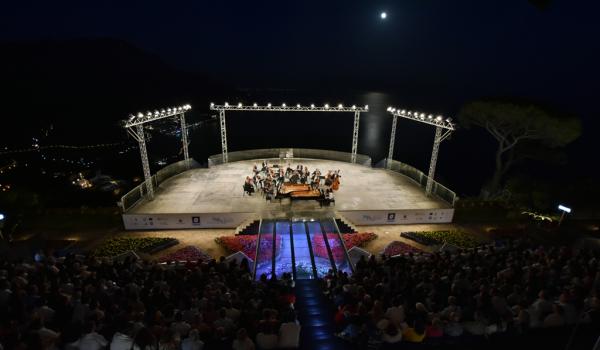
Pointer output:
383, 15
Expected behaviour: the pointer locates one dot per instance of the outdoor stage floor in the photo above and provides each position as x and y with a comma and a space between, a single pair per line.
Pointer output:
219, 190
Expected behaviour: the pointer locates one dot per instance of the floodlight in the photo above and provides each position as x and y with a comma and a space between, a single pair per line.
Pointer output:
340, 106
312, 105
439, 118
269, 105
326, 106
353, 106
226, 104
283, 105
255, 105
212, 104
240, 105
298, 105
366, 106
563, 208
1, 217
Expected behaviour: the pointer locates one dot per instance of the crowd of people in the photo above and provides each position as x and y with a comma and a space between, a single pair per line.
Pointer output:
484, 293
269, 178
89, 304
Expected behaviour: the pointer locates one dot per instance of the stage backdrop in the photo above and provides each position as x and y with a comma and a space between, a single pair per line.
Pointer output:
184, 221
395, 217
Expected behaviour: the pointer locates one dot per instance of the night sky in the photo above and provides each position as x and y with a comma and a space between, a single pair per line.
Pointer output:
445, 48
433, 55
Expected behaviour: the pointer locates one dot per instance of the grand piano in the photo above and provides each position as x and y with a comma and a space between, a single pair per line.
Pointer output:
302, 191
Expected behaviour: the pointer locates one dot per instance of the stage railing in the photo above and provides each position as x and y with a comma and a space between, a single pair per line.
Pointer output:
420, 178
134, 196
307, 153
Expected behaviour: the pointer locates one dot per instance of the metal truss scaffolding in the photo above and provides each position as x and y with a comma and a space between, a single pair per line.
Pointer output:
284, 108
440, 124
135, 127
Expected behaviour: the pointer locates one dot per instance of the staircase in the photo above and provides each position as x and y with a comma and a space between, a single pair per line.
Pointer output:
249, 227
345, 226
316, 317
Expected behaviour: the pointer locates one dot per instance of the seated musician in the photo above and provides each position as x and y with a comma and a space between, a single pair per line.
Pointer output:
248, 187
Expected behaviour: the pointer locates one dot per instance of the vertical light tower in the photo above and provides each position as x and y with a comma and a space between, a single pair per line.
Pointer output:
135, 127
440, 124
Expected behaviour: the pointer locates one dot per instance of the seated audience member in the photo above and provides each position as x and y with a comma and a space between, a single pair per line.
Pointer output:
242, 341
416, 333
391, 334
91, 340
192, 342
289, 334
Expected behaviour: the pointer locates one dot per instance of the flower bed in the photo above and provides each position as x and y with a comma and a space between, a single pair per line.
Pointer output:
188, 253
116, 246
350, 240
428, 238
358, 239
247, 245
397, 247
420, 238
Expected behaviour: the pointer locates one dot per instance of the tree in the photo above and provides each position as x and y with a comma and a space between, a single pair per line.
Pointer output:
517, 128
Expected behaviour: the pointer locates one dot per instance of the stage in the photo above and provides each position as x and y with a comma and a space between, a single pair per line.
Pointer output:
214, 197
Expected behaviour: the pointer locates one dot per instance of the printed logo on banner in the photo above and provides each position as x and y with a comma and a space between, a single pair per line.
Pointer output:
391, 217
221, 220
368, 218
195, 220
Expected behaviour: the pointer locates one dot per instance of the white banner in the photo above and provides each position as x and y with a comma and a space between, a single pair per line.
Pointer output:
183, 221
397, 217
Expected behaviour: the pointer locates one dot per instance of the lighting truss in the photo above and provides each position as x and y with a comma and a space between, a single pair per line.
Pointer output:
288, 108
285, 108
135, 128
445, 123
142, 118
440, 124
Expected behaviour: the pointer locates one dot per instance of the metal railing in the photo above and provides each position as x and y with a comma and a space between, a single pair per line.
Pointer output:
420, 178
131, 198
306, 153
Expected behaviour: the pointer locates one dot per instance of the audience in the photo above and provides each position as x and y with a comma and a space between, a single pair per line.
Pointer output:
86, 303
480, 292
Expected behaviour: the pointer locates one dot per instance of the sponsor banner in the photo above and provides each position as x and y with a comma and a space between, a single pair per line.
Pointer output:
397, 217
183, 221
